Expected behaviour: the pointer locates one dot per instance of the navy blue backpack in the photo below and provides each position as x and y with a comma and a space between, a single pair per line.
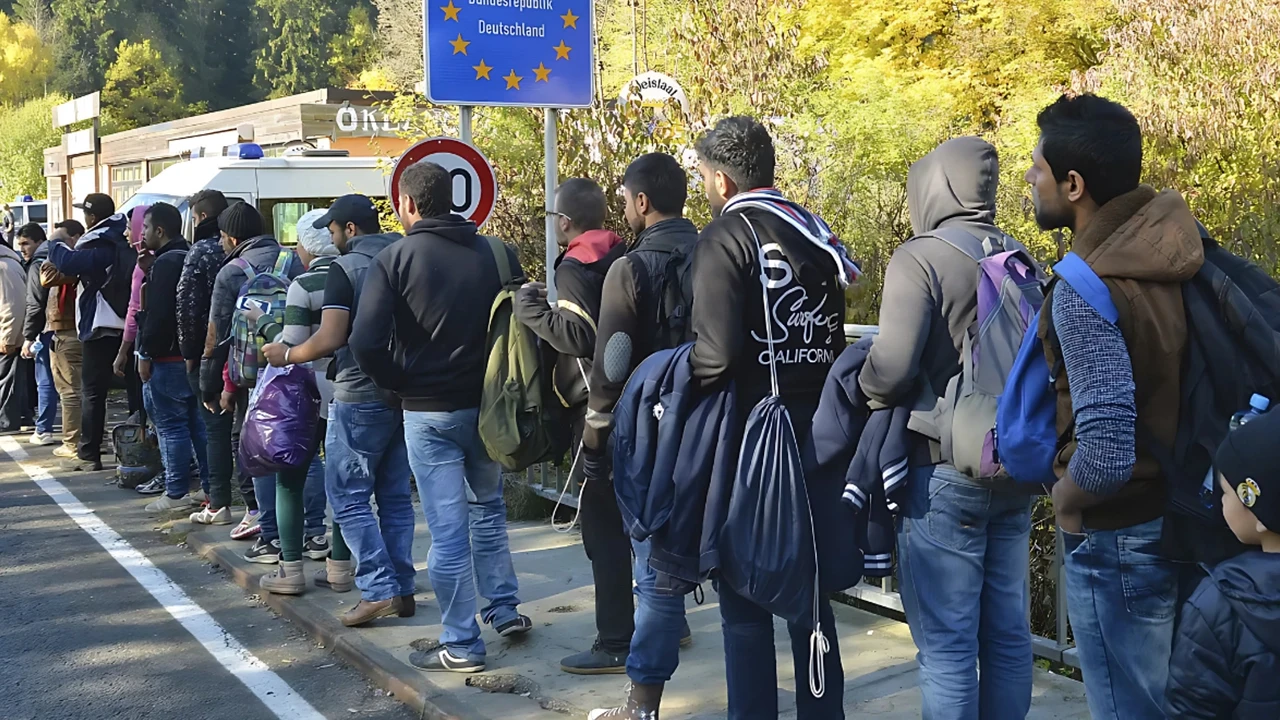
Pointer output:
1027, 415
768, 554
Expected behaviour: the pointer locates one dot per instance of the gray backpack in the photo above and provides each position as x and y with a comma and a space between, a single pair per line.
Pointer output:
1010, 292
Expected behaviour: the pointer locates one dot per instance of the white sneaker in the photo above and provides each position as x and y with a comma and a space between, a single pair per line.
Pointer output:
198, 497
248, 528
168, 504
38, 438
63, 451
207, 516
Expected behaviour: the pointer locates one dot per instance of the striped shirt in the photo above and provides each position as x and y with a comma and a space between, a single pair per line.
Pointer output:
303, 308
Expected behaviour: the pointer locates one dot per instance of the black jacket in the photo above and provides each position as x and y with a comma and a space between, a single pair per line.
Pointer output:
570, 327
37, 295
1226, 657
158, 318
806, 305
627, 316
427, 298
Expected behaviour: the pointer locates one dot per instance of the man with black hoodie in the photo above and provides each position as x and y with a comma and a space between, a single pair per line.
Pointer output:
171, 403
427, 298
962, 545
644, 308
103, 260
242, 239
783, 272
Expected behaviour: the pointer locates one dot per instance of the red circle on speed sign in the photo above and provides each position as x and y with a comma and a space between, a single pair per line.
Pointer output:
475, 187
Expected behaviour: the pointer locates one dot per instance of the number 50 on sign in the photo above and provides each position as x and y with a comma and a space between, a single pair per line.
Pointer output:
475, 187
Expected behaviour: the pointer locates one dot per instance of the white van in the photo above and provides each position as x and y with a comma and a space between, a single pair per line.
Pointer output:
27, 209
283, 189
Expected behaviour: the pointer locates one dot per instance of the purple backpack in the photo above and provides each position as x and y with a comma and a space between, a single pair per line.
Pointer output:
1011, 288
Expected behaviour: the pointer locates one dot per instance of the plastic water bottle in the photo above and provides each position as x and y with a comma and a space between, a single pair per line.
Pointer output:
37, 347
1258, 404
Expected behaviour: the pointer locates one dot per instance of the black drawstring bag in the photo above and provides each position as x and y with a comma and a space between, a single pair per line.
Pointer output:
767, 550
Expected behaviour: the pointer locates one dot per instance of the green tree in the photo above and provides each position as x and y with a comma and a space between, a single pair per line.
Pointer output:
353, 50
294, 58
86, 43
141, 89
25, 131
37, 14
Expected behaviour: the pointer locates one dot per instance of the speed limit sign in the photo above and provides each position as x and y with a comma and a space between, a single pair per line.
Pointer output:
475, 187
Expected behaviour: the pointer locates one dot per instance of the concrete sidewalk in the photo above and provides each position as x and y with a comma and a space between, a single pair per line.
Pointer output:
524, 681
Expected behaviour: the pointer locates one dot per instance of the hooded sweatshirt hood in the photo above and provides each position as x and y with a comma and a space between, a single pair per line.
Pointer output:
450, 227
1249, 583
592, 246
954, 184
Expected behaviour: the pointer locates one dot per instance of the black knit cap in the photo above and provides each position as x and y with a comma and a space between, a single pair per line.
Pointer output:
240, 221
1249, 458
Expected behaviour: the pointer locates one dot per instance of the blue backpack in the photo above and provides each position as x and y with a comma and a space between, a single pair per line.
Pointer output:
1027, 414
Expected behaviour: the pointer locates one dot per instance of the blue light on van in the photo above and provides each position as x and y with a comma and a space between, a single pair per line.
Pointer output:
245, 151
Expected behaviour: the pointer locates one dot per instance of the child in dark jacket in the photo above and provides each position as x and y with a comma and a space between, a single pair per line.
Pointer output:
1226, 657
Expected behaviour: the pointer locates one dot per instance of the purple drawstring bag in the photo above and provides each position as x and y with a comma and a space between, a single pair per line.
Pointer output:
280, 426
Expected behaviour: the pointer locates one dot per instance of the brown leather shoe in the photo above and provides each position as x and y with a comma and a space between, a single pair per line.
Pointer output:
366, 612
406, 606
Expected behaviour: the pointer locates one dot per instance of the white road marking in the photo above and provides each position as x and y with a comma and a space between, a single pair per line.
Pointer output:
273, 691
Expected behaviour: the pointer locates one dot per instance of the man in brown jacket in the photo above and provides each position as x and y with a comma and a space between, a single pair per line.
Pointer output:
1115, 378
67, 354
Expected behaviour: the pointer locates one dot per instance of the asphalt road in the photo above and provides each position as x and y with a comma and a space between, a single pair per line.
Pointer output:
81, 638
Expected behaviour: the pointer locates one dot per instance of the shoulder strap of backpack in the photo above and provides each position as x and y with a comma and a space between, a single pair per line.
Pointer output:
246, 267
500, 256
969, 244
1076, 272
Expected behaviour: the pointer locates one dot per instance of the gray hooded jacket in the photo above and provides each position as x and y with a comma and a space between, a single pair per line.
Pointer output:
930, 287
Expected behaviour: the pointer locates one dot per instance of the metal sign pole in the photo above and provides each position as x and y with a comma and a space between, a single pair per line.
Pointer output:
464, 124
553, 249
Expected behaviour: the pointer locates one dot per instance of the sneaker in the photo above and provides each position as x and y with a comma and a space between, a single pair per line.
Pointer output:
199, 498
595, 662
154, 486
263, 552
78, 464
62, 451
209, 516
39, 438
336, 575
316, 548
168, 504
520, 625
642, 704
441, 660
686, 637
248, 527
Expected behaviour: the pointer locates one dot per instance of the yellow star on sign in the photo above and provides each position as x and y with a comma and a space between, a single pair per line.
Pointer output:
562, 51
570, 20
451, 11
513, 80
541, 73
482, 70
459, 45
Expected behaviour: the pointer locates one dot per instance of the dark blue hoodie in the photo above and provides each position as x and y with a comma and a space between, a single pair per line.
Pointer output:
104, 262
1226, 657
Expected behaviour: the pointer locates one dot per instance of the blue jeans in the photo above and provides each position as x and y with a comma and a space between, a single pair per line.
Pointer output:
46, 393
175, 411
751, 673
461, 492
264, 488
365, 458
655, 644
963, 554
1122, 599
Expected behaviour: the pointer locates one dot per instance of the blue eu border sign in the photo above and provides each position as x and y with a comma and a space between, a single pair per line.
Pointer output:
509, 52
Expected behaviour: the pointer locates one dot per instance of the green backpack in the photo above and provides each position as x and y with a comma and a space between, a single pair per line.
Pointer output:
521, 420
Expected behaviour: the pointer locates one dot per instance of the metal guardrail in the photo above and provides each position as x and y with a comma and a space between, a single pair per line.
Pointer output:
554, 483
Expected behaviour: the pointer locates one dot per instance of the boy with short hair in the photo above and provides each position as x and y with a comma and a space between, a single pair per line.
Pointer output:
1226, 657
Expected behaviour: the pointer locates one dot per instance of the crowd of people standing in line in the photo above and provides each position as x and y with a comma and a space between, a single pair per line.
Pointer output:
401, 390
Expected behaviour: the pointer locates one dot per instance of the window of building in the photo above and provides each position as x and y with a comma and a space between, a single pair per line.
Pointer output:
125, 181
